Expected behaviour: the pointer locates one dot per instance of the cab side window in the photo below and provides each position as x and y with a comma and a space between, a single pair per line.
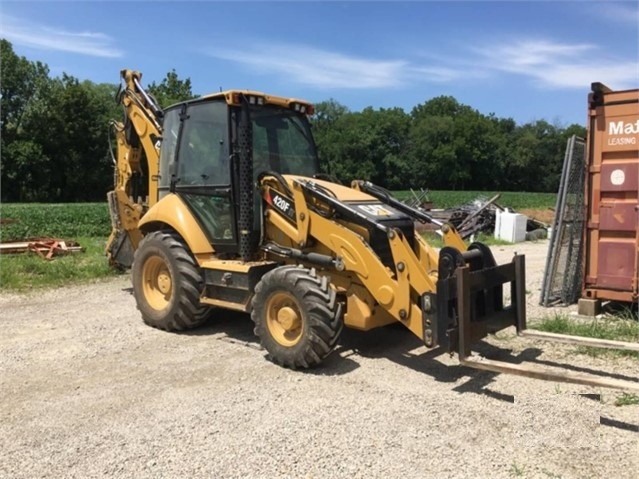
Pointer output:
171, 128
204, 150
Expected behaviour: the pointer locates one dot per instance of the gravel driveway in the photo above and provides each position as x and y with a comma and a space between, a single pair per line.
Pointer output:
89, 391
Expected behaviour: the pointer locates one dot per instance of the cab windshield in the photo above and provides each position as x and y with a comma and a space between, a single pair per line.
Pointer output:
282, 142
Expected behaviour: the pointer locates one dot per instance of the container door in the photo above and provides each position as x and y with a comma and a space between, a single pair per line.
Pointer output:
613, 198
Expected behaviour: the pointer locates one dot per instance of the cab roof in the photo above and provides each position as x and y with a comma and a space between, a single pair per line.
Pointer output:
234, 97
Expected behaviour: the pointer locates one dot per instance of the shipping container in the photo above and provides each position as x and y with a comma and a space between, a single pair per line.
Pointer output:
611, 233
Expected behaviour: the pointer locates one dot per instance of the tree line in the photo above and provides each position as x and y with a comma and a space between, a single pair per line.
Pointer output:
55, 144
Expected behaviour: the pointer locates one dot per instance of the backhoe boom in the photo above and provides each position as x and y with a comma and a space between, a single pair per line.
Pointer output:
136, 165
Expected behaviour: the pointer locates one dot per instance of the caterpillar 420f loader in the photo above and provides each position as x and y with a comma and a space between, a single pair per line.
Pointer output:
219, 203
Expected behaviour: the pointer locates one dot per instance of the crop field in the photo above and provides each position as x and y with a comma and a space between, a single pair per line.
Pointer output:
72, 220
510, 199
66, 221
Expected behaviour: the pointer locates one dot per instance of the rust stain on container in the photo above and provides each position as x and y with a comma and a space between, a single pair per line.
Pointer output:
612, 195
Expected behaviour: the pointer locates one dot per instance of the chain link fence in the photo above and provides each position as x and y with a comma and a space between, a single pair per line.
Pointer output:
562, 277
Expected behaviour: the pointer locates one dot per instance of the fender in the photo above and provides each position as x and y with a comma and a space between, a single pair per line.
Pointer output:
171, 211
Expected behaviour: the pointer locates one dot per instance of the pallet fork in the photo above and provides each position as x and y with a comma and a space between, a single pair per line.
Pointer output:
474, 292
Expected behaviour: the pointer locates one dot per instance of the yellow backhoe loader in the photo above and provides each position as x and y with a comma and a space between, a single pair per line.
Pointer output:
219, 203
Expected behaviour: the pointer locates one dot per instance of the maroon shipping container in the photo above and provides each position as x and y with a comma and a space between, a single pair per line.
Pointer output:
612, 195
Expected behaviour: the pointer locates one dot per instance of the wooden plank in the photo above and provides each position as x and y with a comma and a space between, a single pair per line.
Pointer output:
17, 245
579, 340
23, 247
532, 371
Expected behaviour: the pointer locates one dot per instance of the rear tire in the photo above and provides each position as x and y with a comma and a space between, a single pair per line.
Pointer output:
297, 316
167, 283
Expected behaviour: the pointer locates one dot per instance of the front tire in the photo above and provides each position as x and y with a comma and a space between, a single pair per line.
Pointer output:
297, 316
167, 283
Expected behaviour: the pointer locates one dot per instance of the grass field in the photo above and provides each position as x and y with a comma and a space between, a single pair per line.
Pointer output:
21, 272
509, 199
66, 221
86, 223
89, 225
621, 326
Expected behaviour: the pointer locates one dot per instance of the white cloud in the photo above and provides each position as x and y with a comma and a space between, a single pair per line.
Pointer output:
326, 69
34, 35
560, 65
523, 55
315, 67
619, 13
440, 74
547, 63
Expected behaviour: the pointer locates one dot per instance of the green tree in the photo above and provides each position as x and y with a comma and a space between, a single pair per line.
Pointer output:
27, 176
327, 113
538, 151
368, 145
23, 164
91, 152
171, 90
21, 85
72, 131
453, 146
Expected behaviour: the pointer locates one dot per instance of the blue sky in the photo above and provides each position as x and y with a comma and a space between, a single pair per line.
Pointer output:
523, 60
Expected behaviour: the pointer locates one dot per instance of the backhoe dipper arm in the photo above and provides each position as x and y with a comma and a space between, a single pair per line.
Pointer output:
136, 167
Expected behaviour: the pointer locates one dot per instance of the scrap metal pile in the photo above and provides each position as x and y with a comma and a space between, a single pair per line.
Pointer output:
477, 216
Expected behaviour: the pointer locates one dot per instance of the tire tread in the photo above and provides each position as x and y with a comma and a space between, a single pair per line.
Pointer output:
324, 315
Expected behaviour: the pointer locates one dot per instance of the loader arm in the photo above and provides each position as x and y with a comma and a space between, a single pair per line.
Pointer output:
406, 286
450, 300
136, 165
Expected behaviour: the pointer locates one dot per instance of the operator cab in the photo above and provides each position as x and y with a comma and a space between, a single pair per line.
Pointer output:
216, 146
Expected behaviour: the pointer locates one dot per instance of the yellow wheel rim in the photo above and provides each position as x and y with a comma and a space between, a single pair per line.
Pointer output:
284, 319
157, 284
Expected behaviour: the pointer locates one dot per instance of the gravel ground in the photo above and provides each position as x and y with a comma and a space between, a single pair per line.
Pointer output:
89, 391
